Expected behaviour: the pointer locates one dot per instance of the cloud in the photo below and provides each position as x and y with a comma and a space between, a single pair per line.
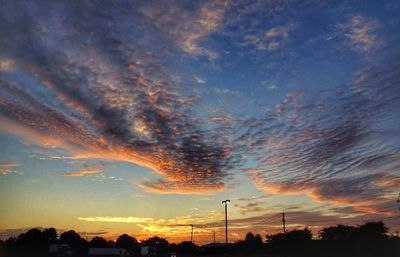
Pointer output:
95, 91
222, 118
6, 64
117, 219
187, 186
199, 80
161, 227
253, 27
332, 146
98, 92
250, 207
260, 43
279, 31
360, 32
271, 40
83, 172
252, 198
187, 27
7, 168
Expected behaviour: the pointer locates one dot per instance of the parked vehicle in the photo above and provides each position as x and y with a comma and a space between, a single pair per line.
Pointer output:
148, 251
60, 250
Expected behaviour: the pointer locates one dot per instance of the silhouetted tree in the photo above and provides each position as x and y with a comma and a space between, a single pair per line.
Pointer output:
187, 247
250, 243
258, 239
78, 245
371, 231
98, 242
367, 240
10, 243
128, 243
249, 237
156, 241
50, 235
339, 232
367, 231
32, 241
160, 243
291, 236
252, 240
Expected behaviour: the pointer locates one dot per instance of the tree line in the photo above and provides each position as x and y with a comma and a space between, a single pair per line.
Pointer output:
369, 239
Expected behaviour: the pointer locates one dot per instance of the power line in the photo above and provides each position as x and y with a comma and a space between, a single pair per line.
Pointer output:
273, 217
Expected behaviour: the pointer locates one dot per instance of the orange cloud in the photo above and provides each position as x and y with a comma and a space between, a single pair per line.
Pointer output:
313, 190
83, 172
183, 187
30, 135
176, 182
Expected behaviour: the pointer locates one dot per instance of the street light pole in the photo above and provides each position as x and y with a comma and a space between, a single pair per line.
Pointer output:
191, 235
214, 238
284, 222
226, 220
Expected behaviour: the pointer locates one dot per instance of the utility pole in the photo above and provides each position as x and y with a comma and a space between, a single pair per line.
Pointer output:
284, 222
214, 237
191, 235
226, 221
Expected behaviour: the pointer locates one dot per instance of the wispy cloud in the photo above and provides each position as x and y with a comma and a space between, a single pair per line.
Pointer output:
187, 27
199, 80
6, 64
83, 172
117, 219
152, 226
250, 207
361, 32
279, 31
7, 168
271, 39
252, 198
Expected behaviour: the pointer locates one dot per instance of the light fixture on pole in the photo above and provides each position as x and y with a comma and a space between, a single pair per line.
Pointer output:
225, 202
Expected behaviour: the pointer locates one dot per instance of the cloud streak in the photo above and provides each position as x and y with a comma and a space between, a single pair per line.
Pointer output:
83, 172
7, 168
94, 93
360, 32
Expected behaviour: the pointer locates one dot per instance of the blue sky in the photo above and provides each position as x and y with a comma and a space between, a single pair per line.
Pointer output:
141, 116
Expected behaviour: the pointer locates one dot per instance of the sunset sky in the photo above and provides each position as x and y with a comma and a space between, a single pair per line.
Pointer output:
140, 117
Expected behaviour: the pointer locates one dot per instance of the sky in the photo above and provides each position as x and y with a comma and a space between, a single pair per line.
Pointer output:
140, 117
